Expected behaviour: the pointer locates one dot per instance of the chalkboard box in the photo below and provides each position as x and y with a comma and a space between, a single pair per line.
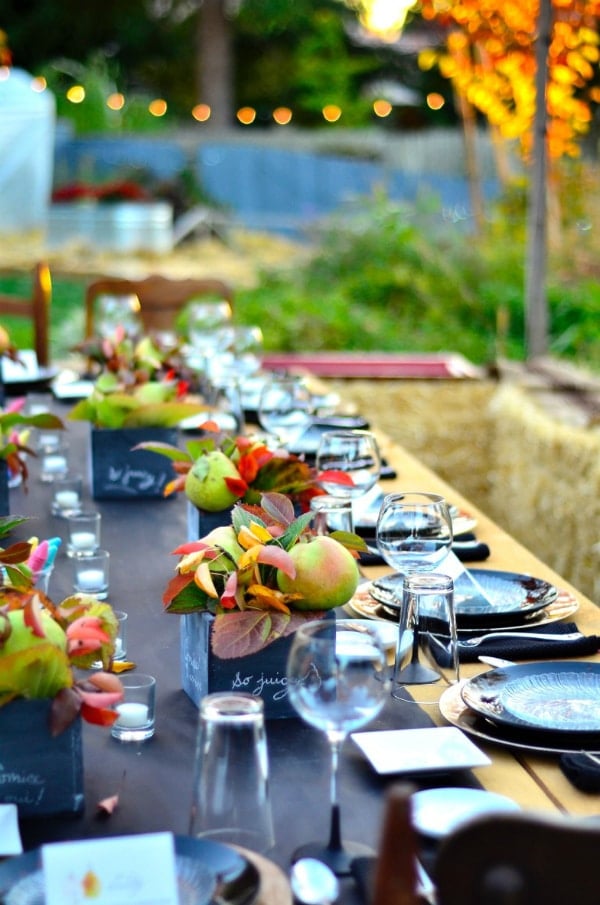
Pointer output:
262, 674
120, 473
40, 773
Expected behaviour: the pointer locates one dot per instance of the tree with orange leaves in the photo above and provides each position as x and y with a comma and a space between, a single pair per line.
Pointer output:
490, 59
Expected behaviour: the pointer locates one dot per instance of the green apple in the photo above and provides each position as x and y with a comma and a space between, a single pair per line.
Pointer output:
326, 574
205, 483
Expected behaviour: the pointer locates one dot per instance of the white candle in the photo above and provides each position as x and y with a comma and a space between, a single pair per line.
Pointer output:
66, 498
83, 540
55, 464
90, 579
132, 715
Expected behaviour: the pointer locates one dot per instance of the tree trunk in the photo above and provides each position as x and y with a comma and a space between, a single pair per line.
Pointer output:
215, 63
536, 301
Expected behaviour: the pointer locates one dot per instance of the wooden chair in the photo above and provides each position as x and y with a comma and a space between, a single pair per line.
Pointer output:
161, 298
36, 307
520, 859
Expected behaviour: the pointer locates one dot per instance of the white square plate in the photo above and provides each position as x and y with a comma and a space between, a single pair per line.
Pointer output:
419, 750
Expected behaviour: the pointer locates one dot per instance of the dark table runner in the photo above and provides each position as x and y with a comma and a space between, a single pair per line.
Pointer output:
154, 779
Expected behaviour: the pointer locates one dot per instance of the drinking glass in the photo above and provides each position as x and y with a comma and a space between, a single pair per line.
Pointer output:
118, 311
414, 531
285, 408
336, 672
352, 454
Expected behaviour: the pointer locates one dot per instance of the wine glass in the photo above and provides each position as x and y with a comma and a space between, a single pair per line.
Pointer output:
337, 682
355, 456
285, 408
209, 330
414, 531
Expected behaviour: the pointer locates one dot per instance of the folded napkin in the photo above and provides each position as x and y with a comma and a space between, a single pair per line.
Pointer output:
582, 770
525, 648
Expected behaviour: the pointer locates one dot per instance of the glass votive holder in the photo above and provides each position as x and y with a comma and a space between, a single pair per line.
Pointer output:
91, 574
136, 712
54, 460
331, 514
41, 579
121, 639
38, 403
66, 500
83, 530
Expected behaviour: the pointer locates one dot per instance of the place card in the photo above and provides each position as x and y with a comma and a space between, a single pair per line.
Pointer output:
114, 871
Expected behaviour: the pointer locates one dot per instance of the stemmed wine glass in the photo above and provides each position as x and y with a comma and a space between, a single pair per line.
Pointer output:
414, 531
285, 408
209, 331
336, 672
355, 456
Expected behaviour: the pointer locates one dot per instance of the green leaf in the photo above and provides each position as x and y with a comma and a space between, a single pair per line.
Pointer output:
165, 449
291, 534
162, 414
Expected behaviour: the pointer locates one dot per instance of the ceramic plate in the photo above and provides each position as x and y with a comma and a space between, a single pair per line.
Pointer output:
26, 372
437, 812
366, 522
457, 713
207, 873
419, 750
483, 597
562, 696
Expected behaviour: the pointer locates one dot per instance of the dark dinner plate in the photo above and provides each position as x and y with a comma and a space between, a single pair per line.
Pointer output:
510, 597
208, 873
557, 697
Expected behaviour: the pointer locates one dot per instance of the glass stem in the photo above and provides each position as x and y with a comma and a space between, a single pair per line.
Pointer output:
335, 832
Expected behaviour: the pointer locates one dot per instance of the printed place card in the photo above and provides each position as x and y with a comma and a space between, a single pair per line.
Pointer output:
113, 871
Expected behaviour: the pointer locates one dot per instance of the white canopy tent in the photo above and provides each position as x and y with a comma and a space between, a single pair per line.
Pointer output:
27, 123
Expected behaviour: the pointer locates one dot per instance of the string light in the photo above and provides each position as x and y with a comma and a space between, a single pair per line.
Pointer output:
157, 107
331, 113
382, 107
201, 113
115, 101
76, 94
282, 116
435, 101
246, 115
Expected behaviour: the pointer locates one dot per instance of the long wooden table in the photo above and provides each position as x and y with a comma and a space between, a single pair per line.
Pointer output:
154, 780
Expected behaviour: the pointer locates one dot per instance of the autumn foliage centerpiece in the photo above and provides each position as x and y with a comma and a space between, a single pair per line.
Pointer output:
217, 470
262, 575
41, 644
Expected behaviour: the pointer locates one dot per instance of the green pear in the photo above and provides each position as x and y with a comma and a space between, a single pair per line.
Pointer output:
326, 574
153, 392
22, 637
205, 483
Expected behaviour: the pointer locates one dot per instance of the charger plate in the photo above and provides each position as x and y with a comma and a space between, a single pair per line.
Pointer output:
558, 697
457, 713
208, 873
563, 607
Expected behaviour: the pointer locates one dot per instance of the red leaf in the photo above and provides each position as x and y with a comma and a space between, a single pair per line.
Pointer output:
336, 477
175, 586
237, 486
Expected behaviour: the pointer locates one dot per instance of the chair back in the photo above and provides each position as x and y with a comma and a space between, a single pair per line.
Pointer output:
160, 298
520, 859
36, 307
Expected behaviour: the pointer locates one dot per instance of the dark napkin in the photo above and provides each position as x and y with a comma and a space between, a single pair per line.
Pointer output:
582, 771
524, 648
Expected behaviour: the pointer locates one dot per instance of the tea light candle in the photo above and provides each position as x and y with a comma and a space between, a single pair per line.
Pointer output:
132, 715
90, 579
66, 498
83, 540
54, 464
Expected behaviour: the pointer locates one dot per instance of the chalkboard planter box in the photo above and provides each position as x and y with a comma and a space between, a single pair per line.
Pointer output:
262, 674
40, 773
200, 522
120, 473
